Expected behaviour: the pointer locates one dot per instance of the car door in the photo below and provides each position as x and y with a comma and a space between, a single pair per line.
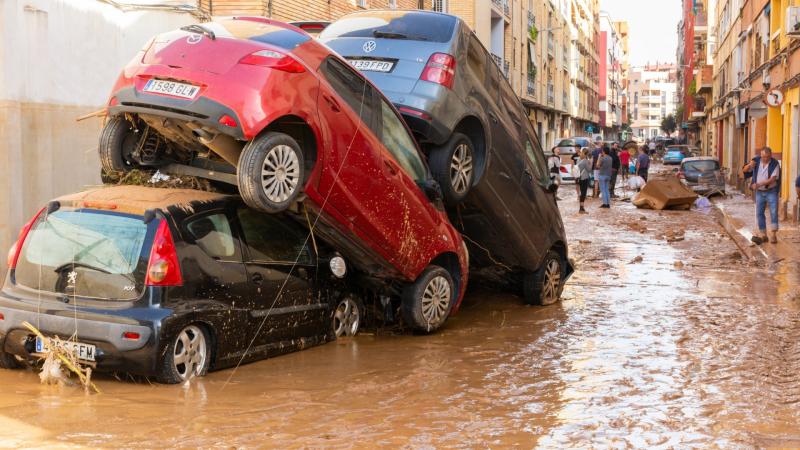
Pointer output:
282, 271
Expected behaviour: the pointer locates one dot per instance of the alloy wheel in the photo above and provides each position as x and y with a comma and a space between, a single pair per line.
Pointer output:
436, 300
347, 318
551, 282
280, 174
461, 168
190, 352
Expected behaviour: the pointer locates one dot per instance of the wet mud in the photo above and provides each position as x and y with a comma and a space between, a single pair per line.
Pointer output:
666, 338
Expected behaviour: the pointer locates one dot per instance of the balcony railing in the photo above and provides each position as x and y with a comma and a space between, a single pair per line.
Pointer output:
506, 69
531, 20
497, 60
503, 4
551, 47
531, 85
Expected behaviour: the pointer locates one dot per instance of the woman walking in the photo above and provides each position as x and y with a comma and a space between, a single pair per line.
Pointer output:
584, 171
604, 165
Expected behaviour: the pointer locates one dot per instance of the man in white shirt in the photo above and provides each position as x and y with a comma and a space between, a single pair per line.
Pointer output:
766, 184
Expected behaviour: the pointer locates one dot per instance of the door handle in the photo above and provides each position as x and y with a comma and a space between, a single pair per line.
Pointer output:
390, 166
332, 103
257, 279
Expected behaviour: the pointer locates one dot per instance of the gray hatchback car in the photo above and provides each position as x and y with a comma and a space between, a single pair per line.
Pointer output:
433, 68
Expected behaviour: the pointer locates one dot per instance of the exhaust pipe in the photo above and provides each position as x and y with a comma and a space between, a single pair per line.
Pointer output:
223, 145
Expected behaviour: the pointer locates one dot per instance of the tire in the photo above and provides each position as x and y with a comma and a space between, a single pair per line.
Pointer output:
8, 361
346, 319
544, 286
117, 141
193, 344
453, 166
428, 300
271, 172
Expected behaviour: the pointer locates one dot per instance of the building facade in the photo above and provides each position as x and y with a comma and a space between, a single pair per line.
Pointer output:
609, 49
653, 94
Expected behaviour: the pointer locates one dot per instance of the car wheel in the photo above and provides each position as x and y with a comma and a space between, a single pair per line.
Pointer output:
428, 300
544, 286
187, 356
347, 317
118, 141
453, 166
8, 361
271, 172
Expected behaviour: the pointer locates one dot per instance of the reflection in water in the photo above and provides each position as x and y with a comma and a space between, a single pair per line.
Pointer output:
639, 354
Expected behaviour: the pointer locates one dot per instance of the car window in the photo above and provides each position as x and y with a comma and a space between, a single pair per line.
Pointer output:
407, 25
538, 164
397, 140
352, 87
476, 59
212, 233
511, 105
271, 239
258, 31
706, 165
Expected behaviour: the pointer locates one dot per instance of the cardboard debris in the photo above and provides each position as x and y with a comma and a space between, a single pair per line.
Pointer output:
665, 193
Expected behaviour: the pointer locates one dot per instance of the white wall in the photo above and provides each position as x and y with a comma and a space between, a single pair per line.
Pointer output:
58, 61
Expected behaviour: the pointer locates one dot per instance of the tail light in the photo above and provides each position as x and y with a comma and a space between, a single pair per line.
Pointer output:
563, 169
273, 60
14, 251
163, 268
440, 69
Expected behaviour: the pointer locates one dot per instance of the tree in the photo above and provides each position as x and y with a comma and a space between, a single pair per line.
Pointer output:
668, 124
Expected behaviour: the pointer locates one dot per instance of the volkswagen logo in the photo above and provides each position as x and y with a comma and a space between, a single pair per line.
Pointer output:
194, 38
369, 46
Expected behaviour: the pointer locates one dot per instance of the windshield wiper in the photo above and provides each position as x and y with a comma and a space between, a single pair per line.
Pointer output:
195, 28
76, 264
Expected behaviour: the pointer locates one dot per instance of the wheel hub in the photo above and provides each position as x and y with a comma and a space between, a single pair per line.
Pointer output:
280, 173
461, 169
436, 300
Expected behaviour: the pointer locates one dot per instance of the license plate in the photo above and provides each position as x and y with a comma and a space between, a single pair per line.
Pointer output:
700, 187
173, 88
81, 351
372, 66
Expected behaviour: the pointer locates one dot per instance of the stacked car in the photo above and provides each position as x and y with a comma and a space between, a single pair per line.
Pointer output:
336, 202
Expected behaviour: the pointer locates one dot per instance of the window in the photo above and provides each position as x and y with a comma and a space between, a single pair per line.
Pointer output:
397, 140
213, 234
352, 87
271, 239
439, 5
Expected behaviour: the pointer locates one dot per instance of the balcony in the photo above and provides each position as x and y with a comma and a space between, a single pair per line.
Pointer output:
704, 81
700, 23
506, 70
497, 60
551, 46
502, 5
551, 96
531, 85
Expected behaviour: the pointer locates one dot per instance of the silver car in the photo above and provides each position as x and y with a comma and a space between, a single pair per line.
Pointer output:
703, 175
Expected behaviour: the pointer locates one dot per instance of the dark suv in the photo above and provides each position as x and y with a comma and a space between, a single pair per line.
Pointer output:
169, 283
480, 144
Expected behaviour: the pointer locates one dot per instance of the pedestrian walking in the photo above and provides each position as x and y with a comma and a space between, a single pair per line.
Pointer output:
584, 171
643, 163
651, 147
766, 184
624, 161
604, 168
595, 172
615, 166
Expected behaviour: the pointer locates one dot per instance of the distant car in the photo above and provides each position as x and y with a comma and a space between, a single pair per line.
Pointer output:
312, 27
703, 175
567, 146
169, 283
295, 127
481, 146
674, 154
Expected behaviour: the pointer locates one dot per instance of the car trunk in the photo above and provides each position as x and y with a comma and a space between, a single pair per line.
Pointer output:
74, 256
206, 55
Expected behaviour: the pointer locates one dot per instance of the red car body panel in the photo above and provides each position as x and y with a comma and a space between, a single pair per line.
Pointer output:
356, 182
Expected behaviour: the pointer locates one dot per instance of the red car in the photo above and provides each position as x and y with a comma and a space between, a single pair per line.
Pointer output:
263, 106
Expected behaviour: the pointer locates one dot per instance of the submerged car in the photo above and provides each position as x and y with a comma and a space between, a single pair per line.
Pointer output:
703, 175
262, 105
480, 144
169, 283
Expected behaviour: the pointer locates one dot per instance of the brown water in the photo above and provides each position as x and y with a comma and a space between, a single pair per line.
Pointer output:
702, 353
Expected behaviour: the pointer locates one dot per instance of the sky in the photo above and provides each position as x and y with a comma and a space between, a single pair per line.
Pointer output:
653, 27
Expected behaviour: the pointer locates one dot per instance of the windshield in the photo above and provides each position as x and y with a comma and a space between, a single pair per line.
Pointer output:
85, 253
675, 152
410, 25
707, 165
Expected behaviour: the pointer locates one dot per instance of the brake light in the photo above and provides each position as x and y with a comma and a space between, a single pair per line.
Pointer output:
563, 169
273, 60
2, 317
130, 335
14, 251
414, 112
163, 268
228, 121
440, 69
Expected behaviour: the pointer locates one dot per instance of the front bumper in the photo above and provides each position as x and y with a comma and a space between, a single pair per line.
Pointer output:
113, 352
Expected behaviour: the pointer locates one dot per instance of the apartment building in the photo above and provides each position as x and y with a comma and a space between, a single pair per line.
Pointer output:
756, 87
609, 48
652, 90
584, 66
625, 68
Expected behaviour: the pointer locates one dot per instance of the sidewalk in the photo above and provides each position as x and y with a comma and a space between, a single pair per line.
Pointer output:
739, 219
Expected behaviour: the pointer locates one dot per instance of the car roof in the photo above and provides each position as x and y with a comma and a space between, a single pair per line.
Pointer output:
700, 158
138, 199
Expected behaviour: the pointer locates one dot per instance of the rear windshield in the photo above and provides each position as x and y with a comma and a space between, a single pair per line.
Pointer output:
706, 165
259, 31
410, 25
86, 253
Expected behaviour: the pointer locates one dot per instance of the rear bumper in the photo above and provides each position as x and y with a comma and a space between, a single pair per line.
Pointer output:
113, 352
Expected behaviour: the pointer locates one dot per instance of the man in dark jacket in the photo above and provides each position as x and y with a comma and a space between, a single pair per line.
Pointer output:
615, 166
766, 184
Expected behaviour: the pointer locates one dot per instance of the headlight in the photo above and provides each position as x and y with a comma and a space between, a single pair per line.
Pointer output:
338, 267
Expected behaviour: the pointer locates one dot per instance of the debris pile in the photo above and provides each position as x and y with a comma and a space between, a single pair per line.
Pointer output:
665, 193
59, 357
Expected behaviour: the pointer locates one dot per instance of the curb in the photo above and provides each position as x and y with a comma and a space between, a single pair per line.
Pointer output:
751, 251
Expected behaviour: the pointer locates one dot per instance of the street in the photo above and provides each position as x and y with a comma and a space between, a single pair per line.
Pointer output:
687, 346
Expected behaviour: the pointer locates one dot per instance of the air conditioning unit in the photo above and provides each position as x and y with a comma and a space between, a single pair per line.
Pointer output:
793, 22
765, 77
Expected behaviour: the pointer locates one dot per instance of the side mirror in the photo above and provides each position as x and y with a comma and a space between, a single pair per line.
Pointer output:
431, 189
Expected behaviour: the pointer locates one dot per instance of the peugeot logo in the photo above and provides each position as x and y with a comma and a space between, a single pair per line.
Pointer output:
194, 38
369, 46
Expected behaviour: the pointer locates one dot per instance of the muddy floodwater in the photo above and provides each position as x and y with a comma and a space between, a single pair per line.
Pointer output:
666, 338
